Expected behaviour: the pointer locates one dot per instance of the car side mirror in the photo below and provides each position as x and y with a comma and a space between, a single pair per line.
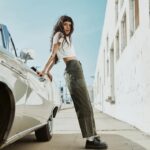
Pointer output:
27, 54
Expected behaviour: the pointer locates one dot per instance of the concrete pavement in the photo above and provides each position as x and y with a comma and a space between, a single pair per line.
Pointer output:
67, 135
119, 135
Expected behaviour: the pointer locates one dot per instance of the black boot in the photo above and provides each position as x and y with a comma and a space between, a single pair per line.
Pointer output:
95, 144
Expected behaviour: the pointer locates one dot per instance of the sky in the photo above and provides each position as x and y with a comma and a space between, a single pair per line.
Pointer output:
31, 22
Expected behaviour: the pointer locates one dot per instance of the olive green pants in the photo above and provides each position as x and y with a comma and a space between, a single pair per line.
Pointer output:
76, 84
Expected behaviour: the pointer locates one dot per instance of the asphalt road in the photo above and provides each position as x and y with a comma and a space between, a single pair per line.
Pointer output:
58, 142
71, 142
67, 135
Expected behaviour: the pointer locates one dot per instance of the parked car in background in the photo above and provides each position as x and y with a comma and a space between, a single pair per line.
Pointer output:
27, 102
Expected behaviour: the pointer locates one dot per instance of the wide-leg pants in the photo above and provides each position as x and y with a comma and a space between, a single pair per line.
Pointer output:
78, 90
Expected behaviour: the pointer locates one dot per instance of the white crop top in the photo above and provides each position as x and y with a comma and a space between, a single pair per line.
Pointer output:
66, 49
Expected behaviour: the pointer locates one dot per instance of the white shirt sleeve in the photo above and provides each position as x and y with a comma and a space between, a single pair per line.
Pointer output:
58, 38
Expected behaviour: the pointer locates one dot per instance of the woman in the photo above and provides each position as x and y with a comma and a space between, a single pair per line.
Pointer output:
62, 48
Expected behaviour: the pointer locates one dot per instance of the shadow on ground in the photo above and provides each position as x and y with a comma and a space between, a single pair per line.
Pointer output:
72, 142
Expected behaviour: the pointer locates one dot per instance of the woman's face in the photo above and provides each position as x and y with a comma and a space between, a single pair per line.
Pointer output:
67, 27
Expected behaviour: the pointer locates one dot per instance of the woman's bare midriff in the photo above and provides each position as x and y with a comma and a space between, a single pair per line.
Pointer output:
69, 58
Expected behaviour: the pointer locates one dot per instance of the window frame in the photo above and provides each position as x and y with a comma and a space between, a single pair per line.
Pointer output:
2, 38
13, 45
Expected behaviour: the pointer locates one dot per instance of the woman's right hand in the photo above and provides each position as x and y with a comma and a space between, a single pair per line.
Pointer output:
41, 74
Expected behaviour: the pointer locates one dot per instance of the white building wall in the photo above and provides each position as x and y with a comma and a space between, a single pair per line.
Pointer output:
124, 92
90, 91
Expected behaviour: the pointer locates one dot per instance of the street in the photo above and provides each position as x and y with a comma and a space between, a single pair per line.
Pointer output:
67, 136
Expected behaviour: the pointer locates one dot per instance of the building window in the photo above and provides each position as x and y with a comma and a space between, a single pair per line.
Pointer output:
107, 44
136, 12
112, 74
123, 32
117, 46
98, 84
107, 67
107, 53
104, 65
116, 11
1, 39
121, 3
134, 16
149, 12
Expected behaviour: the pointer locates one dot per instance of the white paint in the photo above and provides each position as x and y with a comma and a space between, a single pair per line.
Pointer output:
131, 70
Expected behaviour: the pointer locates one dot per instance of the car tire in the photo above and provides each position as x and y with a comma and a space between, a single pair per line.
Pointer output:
45, 133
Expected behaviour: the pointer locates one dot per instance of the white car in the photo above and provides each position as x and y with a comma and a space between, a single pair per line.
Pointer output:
27, 102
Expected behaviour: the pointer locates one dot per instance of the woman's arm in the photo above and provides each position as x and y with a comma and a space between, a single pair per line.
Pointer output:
51, 59
49, 63
57, 40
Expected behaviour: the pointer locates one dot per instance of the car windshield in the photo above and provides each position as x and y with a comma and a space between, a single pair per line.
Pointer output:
1, 39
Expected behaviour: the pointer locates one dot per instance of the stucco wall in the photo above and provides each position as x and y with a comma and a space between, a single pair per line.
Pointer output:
131, 70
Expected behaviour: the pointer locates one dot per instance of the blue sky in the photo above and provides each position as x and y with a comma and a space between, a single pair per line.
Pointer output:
30, 23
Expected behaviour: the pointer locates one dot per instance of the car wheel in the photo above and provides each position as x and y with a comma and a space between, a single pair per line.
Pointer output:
45, 133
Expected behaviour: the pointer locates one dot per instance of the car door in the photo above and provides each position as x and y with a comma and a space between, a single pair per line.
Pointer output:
38, 102
18, 79
14, 74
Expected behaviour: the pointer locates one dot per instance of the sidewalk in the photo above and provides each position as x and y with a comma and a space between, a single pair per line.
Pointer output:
119, 135
67, 106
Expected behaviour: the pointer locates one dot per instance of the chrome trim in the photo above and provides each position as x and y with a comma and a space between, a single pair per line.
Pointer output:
12, 68
21, 135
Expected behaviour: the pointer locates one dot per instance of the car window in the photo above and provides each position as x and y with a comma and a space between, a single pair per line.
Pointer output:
12, 49
1, 39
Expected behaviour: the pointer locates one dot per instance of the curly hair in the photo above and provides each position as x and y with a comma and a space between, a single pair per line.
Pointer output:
59, 28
